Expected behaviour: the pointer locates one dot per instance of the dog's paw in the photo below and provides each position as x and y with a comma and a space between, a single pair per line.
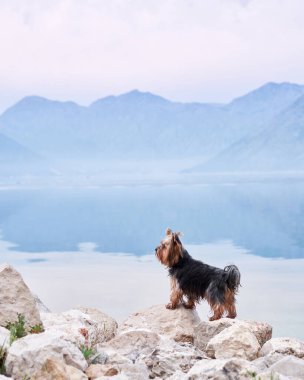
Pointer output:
170, 306
188, 306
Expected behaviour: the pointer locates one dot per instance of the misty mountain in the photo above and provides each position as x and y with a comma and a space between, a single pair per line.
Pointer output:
16, 159
12, 152
278, 146
144, 126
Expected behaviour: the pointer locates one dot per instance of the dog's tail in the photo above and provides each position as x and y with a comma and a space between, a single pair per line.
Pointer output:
233, 277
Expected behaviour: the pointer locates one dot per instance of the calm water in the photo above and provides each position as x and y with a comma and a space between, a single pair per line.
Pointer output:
95, 246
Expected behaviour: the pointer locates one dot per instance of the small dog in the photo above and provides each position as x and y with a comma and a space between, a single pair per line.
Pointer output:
196, 280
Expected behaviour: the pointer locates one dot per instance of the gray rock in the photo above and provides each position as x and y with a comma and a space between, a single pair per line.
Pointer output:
207, 330
131, 345
75, 323
234, 342
27, 355
218, 369
54, 369
289, 366
106, 322
178, 324
40, 305
16, 298
284, 346
170, 357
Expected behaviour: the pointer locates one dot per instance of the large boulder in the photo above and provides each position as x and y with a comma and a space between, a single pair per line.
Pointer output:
54, 369
234, 342
16, 298
218, 369
284, 346
205, 331
27, 355
178, 324
73, 324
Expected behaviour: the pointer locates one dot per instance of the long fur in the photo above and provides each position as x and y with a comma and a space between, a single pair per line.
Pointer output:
197, 280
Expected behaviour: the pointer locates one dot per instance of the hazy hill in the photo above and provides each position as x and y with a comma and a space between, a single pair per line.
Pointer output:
139, 125
15, 158
278, 146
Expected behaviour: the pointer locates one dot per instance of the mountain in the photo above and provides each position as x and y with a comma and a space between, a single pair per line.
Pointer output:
143, 126
11, 151
278, 146
15, 159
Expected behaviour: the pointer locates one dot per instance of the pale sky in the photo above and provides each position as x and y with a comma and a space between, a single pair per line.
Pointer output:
185, 50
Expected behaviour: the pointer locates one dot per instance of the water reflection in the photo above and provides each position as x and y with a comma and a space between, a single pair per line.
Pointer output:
120, 284
266, 219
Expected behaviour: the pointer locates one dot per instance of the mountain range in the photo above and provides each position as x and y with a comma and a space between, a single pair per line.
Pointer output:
262, 130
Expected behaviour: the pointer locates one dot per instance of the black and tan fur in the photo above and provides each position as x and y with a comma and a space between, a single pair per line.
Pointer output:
196, 280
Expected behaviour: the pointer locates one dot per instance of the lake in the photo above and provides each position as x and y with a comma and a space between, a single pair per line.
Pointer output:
95, 246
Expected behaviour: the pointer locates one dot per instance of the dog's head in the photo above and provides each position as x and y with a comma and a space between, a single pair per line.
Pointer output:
170, 249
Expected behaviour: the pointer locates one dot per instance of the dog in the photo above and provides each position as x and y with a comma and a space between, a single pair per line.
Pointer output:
196, 280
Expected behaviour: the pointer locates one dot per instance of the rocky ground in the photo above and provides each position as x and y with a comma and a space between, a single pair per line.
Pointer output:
156, 343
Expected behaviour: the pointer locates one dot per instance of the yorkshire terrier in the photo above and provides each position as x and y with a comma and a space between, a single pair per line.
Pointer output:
196, 280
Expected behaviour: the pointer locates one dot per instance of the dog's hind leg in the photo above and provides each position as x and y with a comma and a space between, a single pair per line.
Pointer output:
230, 304
218, 311
175, 296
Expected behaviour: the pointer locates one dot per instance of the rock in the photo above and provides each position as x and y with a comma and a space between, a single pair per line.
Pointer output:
132, 344
128, 370
117, 377
16, 298
108, 323
289, 366
4, 337
284, 346
54, 369
234, 342
98, 325
264, 362
178, 324
218, 369
207, 330
27, 355
40, 305
2, 377
170, 357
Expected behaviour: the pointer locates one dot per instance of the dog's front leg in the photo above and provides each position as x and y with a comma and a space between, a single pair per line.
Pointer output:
175, 296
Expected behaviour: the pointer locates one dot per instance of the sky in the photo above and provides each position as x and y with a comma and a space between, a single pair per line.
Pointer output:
184, 50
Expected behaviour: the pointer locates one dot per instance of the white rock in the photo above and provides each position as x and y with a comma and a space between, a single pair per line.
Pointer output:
27, 355
129, 370
40, 305
131, 345
4, 337
104, 321
54, 369
289, 366
170, 357
218, 369
99, 326
285, 346
178, 324
234, 342
2, 377
16, 298
205, 331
